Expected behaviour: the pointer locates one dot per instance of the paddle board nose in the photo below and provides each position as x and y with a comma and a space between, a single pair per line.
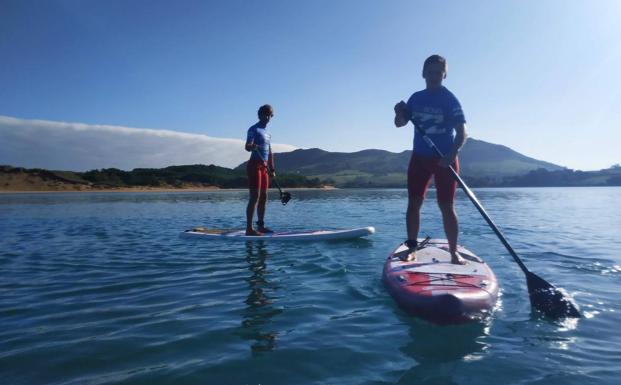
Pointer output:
432, 288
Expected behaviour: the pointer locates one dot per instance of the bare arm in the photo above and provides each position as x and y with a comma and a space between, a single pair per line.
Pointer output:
460, 140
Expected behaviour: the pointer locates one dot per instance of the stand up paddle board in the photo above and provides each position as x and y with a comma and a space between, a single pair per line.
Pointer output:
240, 235
434, 289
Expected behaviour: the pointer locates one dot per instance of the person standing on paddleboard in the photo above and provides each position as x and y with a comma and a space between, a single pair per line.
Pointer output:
259, 167
438, 113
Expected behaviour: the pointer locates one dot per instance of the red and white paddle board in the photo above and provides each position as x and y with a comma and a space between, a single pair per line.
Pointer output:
434, 289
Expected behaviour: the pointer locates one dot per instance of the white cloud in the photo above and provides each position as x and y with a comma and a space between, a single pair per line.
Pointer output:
79, 147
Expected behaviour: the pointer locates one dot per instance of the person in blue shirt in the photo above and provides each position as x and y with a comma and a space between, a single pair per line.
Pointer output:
438, 113
259, 168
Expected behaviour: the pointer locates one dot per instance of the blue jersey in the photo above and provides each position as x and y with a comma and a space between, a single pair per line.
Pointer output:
436, 111
260, 137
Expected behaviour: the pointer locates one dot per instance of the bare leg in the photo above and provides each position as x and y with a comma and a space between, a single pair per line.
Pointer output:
412, 220
413, 217
252, 203
451, 228
261, 213
261, 205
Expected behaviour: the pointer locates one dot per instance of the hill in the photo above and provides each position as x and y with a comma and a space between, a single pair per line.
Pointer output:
173, 177
482, 159
544, 178
482, 164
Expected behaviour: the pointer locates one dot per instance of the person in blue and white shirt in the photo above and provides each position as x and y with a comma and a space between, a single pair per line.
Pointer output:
438, 113
259, 168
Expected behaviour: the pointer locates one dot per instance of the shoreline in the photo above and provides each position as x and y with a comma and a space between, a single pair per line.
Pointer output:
155, 190
275, 190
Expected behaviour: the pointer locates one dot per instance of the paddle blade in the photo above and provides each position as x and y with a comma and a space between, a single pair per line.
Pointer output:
285, 197
551, 301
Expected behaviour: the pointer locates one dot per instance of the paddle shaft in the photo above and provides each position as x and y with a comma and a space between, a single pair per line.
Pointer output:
476, 203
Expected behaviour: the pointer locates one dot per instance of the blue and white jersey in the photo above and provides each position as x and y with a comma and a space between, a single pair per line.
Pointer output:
260, 137
436, 111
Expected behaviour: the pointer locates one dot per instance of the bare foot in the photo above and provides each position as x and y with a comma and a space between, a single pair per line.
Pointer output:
253, 232
456, 259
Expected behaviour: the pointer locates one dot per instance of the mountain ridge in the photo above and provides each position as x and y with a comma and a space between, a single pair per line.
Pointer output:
483, 164
479, 161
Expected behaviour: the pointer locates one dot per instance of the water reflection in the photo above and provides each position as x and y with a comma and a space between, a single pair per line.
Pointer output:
438, 350
256, 323
558, 334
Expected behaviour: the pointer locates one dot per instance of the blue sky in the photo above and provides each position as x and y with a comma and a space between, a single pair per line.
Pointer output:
541, 77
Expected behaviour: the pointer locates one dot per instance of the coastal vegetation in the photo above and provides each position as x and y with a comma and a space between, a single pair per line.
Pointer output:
201, 176
482, 164
173, 177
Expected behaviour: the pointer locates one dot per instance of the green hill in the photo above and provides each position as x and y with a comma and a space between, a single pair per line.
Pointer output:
544, 178
483, 159
481, 163
175, 177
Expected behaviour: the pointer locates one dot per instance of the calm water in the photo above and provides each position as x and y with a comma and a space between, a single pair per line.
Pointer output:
99, 289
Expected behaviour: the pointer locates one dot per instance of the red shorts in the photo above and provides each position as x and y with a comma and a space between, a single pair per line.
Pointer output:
421, 169
258, 177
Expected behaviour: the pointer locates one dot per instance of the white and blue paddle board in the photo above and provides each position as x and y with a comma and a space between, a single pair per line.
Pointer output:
313, 235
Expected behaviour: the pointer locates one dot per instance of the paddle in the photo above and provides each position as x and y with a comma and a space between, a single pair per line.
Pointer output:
285, 197
544, 297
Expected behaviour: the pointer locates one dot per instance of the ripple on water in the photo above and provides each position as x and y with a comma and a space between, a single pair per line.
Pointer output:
99, 289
